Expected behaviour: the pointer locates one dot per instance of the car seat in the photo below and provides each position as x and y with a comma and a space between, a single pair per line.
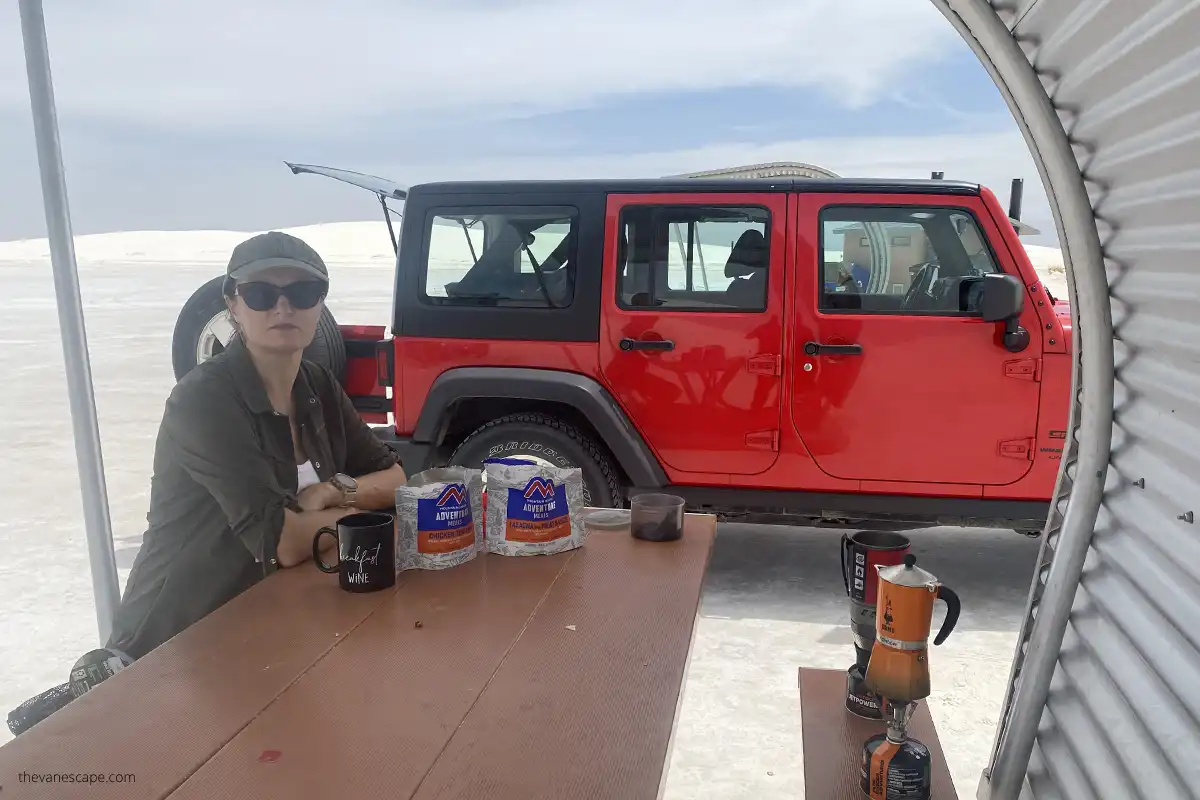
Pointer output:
747, 266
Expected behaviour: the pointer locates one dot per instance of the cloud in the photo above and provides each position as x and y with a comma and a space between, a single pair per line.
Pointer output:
178, 115
244, 194
227, 64
990, 158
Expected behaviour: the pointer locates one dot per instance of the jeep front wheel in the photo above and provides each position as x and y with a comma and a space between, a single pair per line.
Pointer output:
550, 441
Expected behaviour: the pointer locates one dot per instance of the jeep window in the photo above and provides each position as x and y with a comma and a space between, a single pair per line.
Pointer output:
902, 260
517, 258
693, 258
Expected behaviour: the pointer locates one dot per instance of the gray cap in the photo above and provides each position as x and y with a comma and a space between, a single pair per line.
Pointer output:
274, 249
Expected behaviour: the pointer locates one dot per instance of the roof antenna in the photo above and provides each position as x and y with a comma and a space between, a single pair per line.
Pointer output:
937, 176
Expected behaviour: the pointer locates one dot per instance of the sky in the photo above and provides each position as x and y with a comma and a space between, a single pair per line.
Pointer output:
179, 116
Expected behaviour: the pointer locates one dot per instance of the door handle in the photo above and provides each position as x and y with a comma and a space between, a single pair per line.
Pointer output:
817, 349
647, 344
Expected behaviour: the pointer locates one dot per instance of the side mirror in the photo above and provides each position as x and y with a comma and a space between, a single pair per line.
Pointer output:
1002, 300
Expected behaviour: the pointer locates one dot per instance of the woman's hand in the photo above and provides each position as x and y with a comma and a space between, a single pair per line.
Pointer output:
319, 497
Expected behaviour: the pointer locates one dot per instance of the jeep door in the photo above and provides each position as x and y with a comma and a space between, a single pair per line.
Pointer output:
692, 327
933, 396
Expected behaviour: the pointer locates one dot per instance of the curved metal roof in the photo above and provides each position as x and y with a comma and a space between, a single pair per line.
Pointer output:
772, 169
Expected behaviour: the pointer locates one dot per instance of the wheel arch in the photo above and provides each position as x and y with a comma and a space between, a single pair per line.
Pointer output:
581, 398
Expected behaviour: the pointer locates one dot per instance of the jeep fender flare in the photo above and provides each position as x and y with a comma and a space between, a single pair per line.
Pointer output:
580, 392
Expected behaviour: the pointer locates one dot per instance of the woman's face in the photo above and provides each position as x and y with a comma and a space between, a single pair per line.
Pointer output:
271, 320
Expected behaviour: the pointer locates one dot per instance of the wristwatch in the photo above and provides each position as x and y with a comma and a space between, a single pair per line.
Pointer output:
348, 487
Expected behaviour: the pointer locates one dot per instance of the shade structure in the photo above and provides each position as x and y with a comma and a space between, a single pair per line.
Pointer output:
1104, 697
86, 429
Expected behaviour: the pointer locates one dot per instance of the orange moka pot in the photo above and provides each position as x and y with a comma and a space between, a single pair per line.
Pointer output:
899, 665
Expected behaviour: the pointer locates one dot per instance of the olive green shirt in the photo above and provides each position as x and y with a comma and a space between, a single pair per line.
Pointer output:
224, 471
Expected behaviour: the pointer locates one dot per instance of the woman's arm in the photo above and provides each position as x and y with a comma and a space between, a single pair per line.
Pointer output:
299, 529
369, 461
377, 490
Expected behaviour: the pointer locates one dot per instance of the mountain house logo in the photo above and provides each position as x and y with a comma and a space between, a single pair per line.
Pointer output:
444, 522
539, 488
539, 512
454, 493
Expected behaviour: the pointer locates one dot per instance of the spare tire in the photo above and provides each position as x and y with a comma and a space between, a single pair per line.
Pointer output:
204, 329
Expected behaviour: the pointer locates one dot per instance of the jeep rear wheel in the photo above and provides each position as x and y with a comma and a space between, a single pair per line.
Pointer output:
548, 440
204, 329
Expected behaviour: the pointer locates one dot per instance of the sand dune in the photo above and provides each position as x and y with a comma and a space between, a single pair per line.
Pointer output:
341, 244
337, 241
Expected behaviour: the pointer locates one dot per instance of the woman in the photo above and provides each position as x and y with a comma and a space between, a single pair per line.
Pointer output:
257, 450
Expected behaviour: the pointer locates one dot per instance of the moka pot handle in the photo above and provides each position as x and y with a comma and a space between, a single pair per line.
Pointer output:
952, 609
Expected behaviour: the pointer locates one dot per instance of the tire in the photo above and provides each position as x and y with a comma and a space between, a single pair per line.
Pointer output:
207, 305
551, 440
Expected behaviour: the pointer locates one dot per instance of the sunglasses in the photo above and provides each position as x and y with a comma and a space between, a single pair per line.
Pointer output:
302, 295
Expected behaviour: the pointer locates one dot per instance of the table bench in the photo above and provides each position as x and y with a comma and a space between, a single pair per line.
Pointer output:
540, 677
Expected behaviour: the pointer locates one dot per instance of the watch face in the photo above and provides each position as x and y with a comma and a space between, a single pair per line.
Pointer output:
345, 482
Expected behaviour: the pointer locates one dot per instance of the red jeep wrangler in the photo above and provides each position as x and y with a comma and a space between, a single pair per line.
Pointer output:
807, 351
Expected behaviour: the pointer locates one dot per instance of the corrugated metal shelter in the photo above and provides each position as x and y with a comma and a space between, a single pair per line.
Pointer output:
1104, 700
1105, 695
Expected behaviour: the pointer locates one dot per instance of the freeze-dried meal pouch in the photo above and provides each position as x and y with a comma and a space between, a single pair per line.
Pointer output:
439, 518
533, 509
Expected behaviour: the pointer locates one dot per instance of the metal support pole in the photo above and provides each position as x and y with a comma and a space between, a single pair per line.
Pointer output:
97, 524
1090, 424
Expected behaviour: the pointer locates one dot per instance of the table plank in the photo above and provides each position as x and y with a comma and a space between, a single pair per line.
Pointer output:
169, 712
373, 715
833, 739
588, 712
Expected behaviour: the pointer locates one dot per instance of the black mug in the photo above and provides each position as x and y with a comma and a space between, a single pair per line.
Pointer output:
366, 551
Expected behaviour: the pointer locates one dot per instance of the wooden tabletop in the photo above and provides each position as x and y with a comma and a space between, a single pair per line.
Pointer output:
540, 677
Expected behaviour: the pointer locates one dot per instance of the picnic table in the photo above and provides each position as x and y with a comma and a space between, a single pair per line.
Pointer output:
541, 677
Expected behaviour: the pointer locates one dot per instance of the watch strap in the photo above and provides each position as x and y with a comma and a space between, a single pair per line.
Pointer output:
349, 492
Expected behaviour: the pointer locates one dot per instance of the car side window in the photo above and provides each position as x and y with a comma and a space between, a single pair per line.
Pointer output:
516, 258
902, 260
693, 258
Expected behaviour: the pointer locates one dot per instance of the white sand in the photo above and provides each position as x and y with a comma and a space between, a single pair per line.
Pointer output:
361, 245
357, 243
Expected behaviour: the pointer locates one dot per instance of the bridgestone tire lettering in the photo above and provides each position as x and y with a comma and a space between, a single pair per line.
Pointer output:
551, 439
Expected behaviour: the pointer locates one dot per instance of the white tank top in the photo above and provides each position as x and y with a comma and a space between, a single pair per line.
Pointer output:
305, 476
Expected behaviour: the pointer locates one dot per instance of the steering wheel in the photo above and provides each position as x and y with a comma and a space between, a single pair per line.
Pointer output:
920, 285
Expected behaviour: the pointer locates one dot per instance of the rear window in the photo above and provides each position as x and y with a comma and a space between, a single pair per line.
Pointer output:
509, 257
693, 258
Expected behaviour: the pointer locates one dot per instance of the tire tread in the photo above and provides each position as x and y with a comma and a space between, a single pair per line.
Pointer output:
583, 440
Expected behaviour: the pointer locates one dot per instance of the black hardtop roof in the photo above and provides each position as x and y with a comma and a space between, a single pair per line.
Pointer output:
687, 185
